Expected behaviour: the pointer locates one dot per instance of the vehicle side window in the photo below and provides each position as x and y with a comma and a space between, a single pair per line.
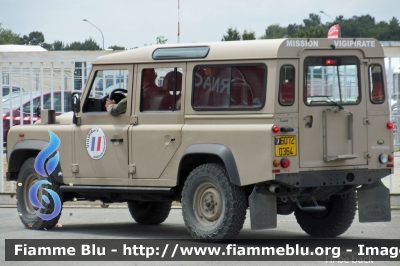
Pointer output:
161, 89
286, 85
103, 84
229, 87
376, 88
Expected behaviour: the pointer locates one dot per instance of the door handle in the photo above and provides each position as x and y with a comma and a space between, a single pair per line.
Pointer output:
168, 140
116, 140
309, 120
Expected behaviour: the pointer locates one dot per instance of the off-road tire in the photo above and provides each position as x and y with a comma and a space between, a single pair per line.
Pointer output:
334, 221
26, 178
212, 207
149, 213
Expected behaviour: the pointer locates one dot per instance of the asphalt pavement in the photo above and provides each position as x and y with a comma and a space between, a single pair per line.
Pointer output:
116, 223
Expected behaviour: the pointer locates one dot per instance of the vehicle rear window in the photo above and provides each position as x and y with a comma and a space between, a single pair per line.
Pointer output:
331, 79
286, 85
229, 87
376, 88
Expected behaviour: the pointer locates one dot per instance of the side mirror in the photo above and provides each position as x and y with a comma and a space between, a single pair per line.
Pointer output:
76, 107
76, 102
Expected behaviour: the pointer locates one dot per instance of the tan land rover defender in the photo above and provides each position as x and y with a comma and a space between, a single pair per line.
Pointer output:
277, 126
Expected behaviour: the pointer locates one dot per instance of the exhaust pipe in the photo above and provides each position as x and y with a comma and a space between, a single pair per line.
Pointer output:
275, 189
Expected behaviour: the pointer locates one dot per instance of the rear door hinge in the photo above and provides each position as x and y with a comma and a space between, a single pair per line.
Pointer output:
134, 120
367, 61
366, 121
367, 155
74, 168
132, 168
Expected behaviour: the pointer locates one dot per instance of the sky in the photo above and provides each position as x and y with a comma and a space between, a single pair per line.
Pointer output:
131, 23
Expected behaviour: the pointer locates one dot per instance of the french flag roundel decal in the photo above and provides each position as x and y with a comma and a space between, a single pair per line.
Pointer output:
96, 143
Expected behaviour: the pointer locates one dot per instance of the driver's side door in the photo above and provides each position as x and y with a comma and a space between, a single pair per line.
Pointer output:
101, 143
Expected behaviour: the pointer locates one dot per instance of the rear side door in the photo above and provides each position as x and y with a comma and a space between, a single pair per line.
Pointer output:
157, 134
332, 109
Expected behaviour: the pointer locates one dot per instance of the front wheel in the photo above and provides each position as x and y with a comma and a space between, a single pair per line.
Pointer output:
212, 207
28, 212
335, 220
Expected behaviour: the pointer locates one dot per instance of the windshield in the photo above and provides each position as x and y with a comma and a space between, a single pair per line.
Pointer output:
331, 81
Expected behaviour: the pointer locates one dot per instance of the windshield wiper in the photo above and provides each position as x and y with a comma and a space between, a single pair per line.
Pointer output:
335, 103
330, 100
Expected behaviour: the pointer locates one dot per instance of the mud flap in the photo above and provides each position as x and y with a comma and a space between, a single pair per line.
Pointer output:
263, 210
374, 203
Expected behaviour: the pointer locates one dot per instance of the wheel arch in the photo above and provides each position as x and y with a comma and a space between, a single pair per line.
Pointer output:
23, 150
197, 154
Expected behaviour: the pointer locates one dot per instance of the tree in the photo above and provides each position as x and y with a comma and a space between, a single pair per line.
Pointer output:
251, 35
312, 32
47, 46
361, 26
89, 44
116, 47
161, 40
274, 31
8, 36
312, 20
394, 27
34, 38
232, 35
355, 27
58, 45
292, 29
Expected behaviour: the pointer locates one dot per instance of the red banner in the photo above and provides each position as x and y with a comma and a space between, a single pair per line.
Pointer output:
334, 31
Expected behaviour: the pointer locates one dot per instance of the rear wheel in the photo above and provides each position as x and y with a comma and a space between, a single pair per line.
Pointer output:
335, 220
28, 177
149, 213
212, 207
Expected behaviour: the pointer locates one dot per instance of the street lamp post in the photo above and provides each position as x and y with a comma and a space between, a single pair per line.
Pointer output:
334, 22
96, 28
327, 15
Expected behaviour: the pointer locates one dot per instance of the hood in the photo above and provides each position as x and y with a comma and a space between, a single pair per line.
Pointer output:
63, 119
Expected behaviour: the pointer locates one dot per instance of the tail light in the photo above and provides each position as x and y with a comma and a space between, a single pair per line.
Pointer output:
389, 159
275, 129
285, 162
390, 125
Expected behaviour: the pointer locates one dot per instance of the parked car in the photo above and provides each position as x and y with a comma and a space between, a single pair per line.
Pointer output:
26, 108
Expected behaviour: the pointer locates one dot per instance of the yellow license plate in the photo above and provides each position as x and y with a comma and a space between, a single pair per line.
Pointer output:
285, 146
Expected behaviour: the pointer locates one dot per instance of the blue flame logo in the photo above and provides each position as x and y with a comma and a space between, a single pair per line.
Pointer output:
44, 165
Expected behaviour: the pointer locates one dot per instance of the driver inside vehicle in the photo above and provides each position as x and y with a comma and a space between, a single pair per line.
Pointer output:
114, 108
